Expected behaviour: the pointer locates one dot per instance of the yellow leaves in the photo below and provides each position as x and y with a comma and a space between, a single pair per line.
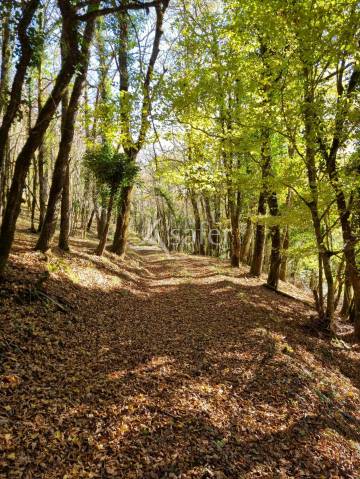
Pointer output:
123, 428
6, 444
58, 435
10, 380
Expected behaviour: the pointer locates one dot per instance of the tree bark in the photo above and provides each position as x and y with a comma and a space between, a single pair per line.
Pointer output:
310, 152
285, 240
246, 242
65, 213
34, 193
130, 146
122, 223
345, 100
41, 154
235, 240
89, 223
275, 256
26, 51
67, 135
36, 135
197, 242
260, 236
100, 222
5, 53
213, 237
347, 297
101, 246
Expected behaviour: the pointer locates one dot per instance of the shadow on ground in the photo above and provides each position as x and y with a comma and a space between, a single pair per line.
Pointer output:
172, 371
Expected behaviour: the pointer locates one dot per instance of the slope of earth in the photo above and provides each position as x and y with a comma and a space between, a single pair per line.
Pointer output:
166, 367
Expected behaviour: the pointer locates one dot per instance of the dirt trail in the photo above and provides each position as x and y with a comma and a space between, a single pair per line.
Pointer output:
170, 367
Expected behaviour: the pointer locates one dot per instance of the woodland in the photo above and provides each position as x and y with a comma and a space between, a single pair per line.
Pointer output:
180, 239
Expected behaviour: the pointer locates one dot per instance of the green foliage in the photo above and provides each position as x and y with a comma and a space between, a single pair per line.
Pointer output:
110, 168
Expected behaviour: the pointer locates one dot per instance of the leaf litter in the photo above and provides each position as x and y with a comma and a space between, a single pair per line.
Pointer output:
167, 367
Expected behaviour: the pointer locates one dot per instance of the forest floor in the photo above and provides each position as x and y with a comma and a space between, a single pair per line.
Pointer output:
166, 367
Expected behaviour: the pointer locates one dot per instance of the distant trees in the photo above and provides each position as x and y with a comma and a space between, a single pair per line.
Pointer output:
275, 93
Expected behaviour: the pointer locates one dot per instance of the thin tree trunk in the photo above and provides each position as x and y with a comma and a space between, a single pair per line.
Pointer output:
101, 221
260, 232
132, 148
349, 238
89, 223
33, 187
26, 51
65, 213
5, 54
101, 247
122, 223
41, 156
67, 135
212, 236
275, 256
36, 136
235, 241
340, 280
260, 236
33, 201
246, 242
347, 297
285, 240
198, 243
310, 152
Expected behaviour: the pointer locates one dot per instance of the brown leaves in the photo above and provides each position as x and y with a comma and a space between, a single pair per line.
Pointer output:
177, 371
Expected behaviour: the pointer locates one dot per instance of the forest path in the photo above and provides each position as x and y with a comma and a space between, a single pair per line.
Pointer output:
171, 367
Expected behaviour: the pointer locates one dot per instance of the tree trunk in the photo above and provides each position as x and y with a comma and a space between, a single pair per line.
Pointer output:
41, 157
286, 237
101, 221
89, 223
122, 223
235, 241
33, 187
101, 247
347, 297
260, 236
343, 108
65, 213
246, 242
197, 240
67, 135
5, 53
26, 51
234, 198
213, 234
49, 223
35, 139
130, 146
33, 201
275, 256
310, 154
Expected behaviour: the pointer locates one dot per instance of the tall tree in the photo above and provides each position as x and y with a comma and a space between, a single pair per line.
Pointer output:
133, 147
36, 135
27, 44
